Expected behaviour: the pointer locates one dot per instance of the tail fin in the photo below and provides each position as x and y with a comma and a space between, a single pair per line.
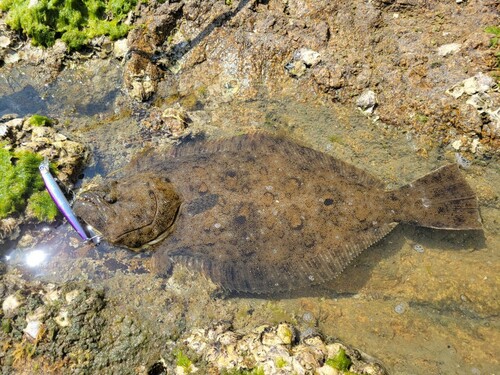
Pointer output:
441, 199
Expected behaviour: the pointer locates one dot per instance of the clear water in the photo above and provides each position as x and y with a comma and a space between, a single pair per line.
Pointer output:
421, 300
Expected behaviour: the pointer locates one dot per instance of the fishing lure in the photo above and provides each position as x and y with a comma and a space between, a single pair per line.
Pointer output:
60, 200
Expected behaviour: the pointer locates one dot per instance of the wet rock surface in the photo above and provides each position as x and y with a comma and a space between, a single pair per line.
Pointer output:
338, 51
222, 69
279, 349
68, 156
35, 135
51, 327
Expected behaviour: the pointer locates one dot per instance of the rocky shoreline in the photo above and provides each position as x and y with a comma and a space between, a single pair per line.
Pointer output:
426, 71
411, 56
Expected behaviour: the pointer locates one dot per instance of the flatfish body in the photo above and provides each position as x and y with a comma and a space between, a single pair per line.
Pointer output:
260, 213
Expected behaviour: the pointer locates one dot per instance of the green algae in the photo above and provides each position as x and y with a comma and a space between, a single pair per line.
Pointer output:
183, 361
39, 120
494, 44
233, 371
340, 362
280, 362
336, 139
20, 180
6, 326
42, 207
73, 21
495, 30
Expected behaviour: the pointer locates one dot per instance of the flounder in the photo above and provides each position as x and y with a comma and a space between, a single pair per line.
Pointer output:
259, 213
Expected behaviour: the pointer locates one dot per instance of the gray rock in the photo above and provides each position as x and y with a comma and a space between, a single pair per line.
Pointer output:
308, 56
4, 41
480, 83
367, 101
302, 60
448, 49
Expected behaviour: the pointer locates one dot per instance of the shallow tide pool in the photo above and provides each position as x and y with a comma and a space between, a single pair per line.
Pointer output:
421, 301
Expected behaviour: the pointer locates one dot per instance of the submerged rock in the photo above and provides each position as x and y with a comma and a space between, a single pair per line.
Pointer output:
264, 348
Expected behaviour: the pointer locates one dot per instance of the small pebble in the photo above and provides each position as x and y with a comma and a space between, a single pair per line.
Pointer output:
400, 308
308, 317
418, 248
367, 101
448, 49
461, 161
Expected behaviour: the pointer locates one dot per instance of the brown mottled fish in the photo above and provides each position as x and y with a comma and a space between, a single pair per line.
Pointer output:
259, 213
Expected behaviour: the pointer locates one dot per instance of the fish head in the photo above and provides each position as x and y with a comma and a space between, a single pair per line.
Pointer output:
134, 212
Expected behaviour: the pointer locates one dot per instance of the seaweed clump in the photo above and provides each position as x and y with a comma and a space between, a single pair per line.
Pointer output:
21, 185
340, 362
39, 120
73, 21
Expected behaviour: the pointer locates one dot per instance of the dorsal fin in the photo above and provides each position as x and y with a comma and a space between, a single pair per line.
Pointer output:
255, 142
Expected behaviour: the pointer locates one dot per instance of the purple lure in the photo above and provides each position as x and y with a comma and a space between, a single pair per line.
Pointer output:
60, 200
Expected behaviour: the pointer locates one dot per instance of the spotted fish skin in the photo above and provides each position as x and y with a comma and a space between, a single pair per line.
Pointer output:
262, 214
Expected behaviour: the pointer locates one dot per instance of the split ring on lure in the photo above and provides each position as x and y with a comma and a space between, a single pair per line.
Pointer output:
60, 200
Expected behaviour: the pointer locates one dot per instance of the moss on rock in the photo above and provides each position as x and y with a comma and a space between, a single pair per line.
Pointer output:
39, 120
340, 362
20, 180
42, 207
73, 21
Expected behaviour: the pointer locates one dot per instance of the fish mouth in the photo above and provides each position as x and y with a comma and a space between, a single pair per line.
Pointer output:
89, 200
88, 204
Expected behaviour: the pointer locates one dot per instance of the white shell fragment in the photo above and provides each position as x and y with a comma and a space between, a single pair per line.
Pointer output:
480, 83
367, 101
120, 48
10, 304
308, 56
448, 49
4, 41
62, 319
302, 60
457, 144
33, 329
